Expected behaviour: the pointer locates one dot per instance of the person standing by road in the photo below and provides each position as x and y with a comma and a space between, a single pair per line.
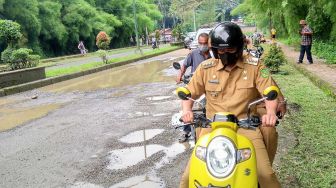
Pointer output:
273, 32
81, 47
306, 42
193, 59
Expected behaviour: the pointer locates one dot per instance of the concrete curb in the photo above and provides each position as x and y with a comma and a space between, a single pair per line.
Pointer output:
325, 86
48, 81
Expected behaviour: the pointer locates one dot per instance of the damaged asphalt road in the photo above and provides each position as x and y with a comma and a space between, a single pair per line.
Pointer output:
109, 129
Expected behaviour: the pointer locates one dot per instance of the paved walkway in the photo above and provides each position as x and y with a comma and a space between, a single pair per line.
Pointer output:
319, 69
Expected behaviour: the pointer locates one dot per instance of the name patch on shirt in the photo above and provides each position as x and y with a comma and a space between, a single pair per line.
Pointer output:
214, 81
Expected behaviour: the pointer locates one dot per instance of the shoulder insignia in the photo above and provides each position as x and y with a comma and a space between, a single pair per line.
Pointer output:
252, 60
208, 64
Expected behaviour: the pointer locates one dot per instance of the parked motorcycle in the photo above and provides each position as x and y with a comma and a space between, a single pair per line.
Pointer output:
223, 158
257, 52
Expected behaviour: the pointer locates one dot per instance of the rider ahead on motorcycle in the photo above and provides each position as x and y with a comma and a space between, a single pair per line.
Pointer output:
230, 81
193, 59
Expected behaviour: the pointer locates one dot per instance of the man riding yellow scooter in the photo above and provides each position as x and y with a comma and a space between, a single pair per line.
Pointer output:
230, 82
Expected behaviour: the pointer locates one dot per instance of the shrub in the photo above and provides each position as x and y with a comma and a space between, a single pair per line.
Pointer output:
103, 54
6, 55
274, 58
325, 50
103, 40
22, 58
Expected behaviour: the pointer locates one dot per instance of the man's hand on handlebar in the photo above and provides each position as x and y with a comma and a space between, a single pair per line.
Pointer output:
269, 120
188, 116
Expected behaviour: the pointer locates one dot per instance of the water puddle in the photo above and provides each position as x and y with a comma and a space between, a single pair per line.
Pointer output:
140, 136
171, 152
116, 77
158, 98
124, 158
145, 181
12, 117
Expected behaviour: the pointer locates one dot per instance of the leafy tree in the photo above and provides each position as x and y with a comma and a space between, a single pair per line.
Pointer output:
10, 31
26, 14
177, 32
54, 27
54, 34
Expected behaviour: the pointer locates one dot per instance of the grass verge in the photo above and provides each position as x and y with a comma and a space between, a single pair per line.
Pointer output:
312, 118
87, 66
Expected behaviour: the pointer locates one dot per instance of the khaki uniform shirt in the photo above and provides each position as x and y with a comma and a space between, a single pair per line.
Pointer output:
230, 89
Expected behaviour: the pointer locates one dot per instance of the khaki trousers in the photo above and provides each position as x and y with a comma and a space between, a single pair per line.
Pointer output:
270, 136
266, 176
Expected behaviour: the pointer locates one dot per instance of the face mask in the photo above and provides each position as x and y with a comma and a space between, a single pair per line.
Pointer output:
203, 48
228, 58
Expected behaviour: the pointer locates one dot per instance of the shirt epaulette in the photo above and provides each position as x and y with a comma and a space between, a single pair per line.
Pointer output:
208, 64
251, 60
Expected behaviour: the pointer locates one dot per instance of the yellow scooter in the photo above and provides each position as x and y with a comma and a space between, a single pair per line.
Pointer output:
223, 158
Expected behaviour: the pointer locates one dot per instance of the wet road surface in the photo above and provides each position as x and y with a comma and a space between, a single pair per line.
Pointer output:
109, 129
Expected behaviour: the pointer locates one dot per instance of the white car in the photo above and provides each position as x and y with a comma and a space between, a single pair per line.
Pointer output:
194, 43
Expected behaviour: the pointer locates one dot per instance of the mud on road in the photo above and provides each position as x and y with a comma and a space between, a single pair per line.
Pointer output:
109, 129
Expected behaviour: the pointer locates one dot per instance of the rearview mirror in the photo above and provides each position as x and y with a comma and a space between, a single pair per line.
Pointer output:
183, 93
176, 65
271, 93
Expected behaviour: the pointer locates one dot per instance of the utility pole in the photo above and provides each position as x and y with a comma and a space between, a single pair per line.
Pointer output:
146, 36
136, 28
194, 19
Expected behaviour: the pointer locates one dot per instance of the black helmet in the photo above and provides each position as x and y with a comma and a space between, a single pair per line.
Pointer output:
227, 35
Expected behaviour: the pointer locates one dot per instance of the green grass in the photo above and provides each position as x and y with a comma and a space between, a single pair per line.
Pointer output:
87, 66
73, 69
312, 162
325, 50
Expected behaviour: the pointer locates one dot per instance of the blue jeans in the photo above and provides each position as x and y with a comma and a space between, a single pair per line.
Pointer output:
302, 53
187, 129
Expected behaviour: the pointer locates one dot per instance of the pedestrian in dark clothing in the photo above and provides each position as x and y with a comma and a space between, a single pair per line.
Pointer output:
306, 42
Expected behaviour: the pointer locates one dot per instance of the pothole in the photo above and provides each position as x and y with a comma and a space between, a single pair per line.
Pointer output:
140, 136
124, 158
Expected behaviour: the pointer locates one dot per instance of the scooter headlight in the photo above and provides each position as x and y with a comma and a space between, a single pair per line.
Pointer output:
221, 157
